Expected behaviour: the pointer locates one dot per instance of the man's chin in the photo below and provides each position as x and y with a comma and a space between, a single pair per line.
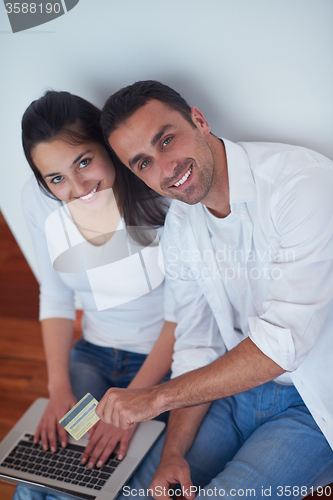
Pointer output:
188, 198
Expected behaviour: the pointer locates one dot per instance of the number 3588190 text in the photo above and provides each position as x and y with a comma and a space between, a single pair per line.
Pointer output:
32, 8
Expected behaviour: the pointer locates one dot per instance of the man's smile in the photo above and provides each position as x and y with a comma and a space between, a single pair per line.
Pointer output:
183, 178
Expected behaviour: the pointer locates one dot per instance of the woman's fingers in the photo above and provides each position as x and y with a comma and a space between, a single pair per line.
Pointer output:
49, 429
123, 445
103, 442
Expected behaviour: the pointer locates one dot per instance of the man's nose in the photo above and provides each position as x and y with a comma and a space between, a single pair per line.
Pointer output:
167, 165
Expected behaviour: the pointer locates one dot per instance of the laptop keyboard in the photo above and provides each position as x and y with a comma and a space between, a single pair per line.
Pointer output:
63, 466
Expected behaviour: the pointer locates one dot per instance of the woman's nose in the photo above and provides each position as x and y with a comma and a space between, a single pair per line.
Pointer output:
79, 187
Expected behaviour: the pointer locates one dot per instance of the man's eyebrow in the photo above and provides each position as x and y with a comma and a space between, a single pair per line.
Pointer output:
72, 165
135, 160
154, 141
159, 134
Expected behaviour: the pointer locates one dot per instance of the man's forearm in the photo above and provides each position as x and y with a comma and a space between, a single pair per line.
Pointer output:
183, 425
241, 369
236, 371
182, 428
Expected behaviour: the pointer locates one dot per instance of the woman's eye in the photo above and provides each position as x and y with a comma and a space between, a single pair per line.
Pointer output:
166, 141
57, 179
84, 163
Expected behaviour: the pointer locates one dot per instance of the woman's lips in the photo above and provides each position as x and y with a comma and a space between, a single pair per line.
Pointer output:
91, 194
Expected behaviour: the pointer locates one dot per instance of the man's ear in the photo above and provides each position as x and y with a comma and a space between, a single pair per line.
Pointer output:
200, 121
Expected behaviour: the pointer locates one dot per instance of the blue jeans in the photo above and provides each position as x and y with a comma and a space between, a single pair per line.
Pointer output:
263, 440
94, 369
22, 493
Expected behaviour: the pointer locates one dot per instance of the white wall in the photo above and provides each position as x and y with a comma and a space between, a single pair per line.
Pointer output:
258, 69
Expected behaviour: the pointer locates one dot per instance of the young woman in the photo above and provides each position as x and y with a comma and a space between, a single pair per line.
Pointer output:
80, 213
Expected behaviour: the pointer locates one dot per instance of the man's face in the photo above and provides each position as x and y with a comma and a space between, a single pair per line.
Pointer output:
169, 154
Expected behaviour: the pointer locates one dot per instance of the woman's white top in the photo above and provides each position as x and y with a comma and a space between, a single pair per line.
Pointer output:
122, 297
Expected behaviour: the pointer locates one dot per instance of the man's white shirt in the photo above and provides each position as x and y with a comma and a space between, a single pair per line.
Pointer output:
267, 273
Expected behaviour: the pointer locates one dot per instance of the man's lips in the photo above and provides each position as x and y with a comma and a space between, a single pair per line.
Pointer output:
184, 178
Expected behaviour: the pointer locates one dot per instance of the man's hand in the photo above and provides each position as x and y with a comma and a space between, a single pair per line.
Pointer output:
49, 428
126, 407
172, 470
103, 438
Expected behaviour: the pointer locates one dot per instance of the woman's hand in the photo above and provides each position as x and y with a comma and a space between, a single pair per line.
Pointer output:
49, 428
103, 440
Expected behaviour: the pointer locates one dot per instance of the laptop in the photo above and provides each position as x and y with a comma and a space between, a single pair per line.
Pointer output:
22, 462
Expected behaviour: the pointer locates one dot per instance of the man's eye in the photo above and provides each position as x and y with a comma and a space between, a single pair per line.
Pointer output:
84, 163
57, 179
166, 141
144, 164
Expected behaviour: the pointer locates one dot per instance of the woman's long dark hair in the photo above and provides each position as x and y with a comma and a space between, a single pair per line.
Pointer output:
53, 115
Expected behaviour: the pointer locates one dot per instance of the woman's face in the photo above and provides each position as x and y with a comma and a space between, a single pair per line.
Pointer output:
74, 172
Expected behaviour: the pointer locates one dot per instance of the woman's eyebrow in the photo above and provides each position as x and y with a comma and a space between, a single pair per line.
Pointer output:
51, 175
72, 165
79, 157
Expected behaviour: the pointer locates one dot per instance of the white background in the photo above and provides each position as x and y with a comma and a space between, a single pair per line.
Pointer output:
259, 70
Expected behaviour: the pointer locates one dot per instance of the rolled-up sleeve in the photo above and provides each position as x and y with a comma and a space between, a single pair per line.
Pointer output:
300, 292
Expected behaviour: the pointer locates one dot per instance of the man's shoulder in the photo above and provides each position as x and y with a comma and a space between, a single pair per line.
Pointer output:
276, 162
179, 216
179, 212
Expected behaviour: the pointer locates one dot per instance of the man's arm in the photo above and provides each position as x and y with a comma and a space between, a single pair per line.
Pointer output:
198, 343
182, 428
240, 369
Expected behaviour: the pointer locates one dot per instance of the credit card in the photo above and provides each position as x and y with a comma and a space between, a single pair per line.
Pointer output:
81, 417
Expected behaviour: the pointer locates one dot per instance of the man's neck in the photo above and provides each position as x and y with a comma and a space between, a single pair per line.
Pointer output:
217, 199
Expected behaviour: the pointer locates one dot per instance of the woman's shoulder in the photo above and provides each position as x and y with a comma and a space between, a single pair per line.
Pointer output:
35, 203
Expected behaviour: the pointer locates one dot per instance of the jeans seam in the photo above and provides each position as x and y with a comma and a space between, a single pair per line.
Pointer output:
124, 366
272, 410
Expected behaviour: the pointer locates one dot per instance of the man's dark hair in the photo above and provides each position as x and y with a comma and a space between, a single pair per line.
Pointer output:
127, 100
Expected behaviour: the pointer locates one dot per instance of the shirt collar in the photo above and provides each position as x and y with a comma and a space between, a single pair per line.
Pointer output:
241, 184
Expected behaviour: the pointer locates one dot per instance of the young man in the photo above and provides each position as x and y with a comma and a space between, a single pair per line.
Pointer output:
248, 256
